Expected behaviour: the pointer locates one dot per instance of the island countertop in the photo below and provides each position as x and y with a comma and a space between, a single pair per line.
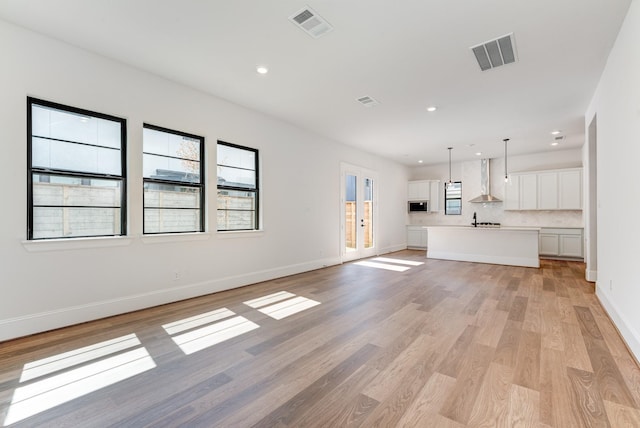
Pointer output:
516, 246
525, 228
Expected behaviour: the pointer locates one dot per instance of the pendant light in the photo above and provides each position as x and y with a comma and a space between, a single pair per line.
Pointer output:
506, 174
449, 182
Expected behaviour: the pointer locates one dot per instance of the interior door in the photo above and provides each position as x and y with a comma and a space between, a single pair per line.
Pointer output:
358, 213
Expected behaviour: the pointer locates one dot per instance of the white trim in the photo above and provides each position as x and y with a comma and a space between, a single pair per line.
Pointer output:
628, 333
591, 275
175, 237
40, 245
394, 248
225, 234
12, 328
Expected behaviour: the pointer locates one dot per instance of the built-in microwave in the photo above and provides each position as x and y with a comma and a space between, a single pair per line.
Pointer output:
416, 206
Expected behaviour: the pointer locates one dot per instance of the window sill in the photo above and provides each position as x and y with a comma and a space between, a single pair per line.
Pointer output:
175, 237
240, 234
76, 243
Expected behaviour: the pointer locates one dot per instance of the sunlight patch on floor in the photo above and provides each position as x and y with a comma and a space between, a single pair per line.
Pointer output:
288, 307
398, 261
386, 266
197, 321
65, 360
51, 391
267, 300
197, 340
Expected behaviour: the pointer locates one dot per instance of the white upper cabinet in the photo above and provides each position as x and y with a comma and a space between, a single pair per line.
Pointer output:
425, 190
570, 186
528, 192
512, 193
545, 190
548, 191
419, 190
435, 192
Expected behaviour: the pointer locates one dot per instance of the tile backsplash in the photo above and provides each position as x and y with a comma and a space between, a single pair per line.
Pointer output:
495, 214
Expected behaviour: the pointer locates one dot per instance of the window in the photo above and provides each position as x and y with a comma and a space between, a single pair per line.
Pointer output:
237, 187
173, 172
76, 172
453, 198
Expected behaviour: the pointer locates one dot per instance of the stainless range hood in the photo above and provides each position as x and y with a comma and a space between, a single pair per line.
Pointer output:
484, 185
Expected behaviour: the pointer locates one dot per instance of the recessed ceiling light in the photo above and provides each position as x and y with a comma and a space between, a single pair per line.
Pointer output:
420, 161
555, 143
261, 69
478, 153
555, 132
432, 108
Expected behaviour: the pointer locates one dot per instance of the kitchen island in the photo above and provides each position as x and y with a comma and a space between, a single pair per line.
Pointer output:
515, 246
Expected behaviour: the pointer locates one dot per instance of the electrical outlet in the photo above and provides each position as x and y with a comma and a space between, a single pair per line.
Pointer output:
176, 275
611, 285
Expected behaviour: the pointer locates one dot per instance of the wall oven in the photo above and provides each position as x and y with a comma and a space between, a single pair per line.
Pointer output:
417, 206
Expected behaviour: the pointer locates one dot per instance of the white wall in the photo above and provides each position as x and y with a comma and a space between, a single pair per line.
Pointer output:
616, 104
46, 285
469, 173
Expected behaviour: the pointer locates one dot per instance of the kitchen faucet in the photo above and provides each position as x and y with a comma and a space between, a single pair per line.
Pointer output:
475, 220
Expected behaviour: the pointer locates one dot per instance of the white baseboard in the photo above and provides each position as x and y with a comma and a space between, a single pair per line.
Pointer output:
12, 328
393, 248
591, 275
628, 333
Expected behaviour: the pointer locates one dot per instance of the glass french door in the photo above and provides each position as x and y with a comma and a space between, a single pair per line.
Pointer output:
359, 213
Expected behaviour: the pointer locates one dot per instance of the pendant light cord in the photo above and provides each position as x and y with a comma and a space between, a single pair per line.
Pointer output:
449, 148
506, 175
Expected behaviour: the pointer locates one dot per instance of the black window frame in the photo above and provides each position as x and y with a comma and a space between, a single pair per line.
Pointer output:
446, 211
122, 177
256, 191
200, 186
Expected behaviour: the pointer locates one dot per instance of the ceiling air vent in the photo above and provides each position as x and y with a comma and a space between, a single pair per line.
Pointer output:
367, 101
495, 53
310, 22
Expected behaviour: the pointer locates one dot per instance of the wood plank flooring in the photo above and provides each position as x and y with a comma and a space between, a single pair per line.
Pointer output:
441, 344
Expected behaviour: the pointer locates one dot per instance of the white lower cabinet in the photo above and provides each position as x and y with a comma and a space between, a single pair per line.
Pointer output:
416, 237
571, 246
561, 242
549, 244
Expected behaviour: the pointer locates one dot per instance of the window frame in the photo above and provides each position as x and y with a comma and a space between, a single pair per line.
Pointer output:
31, 170
446, 211
256, 190
201, 186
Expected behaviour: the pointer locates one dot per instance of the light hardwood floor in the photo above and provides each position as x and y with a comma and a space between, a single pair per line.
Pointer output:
441, 344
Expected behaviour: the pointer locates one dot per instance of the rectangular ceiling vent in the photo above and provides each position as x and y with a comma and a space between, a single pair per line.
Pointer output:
495, 53
310, 22
367, 101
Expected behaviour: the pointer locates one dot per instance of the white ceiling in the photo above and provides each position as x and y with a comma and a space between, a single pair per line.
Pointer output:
407, 54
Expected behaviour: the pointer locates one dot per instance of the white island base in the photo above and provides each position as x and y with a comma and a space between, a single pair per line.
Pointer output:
503, 246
